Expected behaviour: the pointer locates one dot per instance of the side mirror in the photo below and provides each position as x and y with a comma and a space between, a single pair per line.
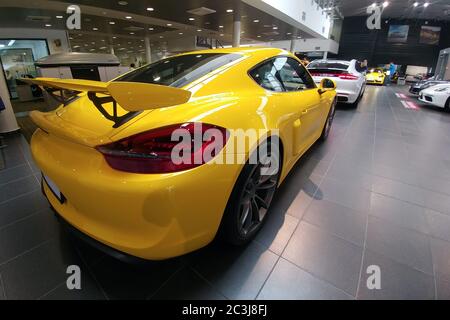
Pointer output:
326, 85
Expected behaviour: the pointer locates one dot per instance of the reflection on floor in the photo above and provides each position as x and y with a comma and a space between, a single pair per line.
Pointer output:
376, 193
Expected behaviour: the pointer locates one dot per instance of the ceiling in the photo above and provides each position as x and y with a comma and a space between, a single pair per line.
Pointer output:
404, 9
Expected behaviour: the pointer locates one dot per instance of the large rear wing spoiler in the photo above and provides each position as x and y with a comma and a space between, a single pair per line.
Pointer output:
133, 97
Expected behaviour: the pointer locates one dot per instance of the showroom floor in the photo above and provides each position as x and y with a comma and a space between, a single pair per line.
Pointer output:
376, 193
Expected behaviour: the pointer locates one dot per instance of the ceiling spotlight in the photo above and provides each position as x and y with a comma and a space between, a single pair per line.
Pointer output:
426, 4
373, 4
221, 34
59, 17
151, 29
256, 20
289, 33
199, 30
191, 19
122, 3
128, 17
48, 25
415, 4
275, 28
385, 4
229, 10
112, 22
258, 36
114, 37
180, 33
161, 37
220, 26
131, 33
95, 29
169, 24
150, 9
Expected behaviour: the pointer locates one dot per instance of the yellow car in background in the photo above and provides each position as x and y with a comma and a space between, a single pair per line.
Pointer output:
109, 154
376, 76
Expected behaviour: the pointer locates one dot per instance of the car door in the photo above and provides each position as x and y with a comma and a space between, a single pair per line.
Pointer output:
301, 92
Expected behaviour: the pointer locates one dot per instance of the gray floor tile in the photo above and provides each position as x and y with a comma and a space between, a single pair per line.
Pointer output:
14, 173
89, 290
25, 234
238, 273
2, 289
277, 231
193, 288
438, 224
405, 246
289, 282
443, 289
399, 212
344, 222
22, 207
397, 281
437, 201
127, 281
345, 194
39, 271
441, 258
326, 256
398, 190
17, 188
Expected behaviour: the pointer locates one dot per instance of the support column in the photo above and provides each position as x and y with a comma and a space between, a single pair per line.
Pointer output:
148, 50
292, 46
325, 55
237, 24
8, 122
111, 49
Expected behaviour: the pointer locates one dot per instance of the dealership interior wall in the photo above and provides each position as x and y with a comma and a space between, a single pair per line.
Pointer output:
375, 193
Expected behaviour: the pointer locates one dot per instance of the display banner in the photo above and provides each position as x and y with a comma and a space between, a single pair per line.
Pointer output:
430, 35
398, 33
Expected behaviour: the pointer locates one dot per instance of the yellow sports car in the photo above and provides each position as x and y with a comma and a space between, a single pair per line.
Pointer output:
158, 161
376, 76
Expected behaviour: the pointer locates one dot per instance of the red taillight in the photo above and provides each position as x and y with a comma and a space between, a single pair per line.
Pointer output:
151, 151
347, 76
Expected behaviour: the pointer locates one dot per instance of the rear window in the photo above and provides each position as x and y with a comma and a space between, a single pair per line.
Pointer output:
328, 65
181, 70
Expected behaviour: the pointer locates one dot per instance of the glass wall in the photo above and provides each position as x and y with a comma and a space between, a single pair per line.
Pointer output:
17, 57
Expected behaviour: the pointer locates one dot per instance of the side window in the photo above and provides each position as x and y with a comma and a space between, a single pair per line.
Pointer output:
293, 74
266, 75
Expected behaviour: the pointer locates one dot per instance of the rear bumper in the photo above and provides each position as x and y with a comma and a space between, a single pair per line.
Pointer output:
347, 96
153, 216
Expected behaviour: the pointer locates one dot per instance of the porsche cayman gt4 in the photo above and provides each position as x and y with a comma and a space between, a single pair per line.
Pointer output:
157, 162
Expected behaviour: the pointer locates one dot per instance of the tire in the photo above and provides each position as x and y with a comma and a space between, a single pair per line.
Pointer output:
447, 105
355, 104
328, 122
241, 221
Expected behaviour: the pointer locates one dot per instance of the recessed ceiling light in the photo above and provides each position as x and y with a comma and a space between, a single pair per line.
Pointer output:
221, 34
150, 9
220, 26
59, 17
256, 20
242, 31
289, 33
415, 4
114, 37
92, 42
112, 22
86, 45
385, 4
151, 29
70, 38
426, 4
102, 48
374, 4
275, 28
199, 30
95, 29
258, 36
229, 10
180, 33
191, 19
76, 47
169, 24
48, 25
128, 17
131, 32
122, 3
161, 37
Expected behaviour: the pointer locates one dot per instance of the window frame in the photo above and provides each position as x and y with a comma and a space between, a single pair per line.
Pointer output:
281, 82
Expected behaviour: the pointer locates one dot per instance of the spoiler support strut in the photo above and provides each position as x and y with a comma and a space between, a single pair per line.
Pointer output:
118, 120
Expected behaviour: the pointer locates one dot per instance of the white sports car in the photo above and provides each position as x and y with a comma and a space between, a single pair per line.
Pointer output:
438, 95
